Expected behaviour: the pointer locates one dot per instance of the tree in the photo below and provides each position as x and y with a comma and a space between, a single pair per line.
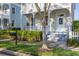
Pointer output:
44, 19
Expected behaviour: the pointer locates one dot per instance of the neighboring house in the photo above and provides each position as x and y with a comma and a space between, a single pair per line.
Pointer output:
10, 15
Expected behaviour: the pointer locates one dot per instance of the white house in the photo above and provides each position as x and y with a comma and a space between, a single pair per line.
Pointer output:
61, 15
59, 19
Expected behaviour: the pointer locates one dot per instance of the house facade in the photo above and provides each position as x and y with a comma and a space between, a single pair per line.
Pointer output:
26, 16
59, 20
10, 15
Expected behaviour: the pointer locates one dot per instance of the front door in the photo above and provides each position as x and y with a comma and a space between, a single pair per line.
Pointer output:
60, 23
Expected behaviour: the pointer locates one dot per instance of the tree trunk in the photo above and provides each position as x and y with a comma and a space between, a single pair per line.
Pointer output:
44, 44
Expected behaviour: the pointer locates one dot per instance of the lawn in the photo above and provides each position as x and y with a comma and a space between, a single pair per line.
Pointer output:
20, 47
33, 49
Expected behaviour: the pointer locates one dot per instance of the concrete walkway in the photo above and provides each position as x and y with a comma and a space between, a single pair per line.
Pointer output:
73, 48
4, 51
5, 39
3, 54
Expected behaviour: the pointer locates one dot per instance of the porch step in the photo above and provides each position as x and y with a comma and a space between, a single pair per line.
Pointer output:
57, 44
56, 40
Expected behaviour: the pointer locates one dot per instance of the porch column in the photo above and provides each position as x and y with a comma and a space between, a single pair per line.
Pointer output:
21, 22
2, 15
9, 15
69, 26
33, 16
49, 25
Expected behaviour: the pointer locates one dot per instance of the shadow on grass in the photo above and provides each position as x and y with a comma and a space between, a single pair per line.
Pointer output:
33, 50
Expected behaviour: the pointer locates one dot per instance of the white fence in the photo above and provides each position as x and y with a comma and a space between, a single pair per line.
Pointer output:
75, 35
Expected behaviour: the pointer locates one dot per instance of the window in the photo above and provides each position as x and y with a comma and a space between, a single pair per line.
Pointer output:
60, 20
12, 22
13, 10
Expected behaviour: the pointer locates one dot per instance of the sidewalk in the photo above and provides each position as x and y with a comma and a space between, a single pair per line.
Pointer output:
73, 48
5, 39
13, 53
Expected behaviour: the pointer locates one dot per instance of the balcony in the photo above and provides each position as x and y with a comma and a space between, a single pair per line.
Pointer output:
60, 6
28, 8
5, 13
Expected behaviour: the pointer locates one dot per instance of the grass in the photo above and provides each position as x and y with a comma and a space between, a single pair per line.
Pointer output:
20, 47
60, 52
33, 49
73, 42
63, 52
25, 49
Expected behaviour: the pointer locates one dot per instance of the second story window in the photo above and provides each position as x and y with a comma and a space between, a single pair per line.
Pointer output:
13, 10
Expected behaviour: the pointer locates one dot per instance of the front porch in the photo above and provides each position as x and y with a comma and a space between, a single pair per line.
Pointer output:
4, 23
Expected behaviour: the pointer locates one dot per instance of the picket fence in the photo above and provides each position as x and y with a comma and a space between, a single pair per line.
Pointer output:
75, 35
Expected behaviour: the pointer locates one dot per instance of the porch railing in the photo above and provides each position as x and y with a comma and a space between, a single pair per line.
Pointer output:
36, 28
33, 28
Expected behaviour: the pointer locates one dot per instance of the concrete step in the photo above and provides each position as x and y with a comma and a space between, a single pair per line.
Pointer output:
57, 44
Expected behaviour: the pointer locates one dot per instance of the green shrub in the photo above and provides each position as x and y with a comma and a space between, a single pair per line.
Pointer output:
76, 26
30, 36
33, 36
73, 42
5, 36
3, 32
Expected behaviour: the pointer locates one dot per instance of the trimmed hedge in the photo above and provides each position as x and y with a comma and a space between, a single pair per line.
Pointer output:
30, 36
25, 35
4, 34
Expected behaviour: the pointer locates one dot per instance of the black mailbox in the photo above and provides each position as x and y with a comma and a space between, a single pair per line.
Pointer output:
16, 28
14, 33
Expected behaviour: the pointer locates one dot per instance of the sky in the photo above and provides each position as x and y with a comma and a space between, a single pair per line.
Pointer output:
77, 11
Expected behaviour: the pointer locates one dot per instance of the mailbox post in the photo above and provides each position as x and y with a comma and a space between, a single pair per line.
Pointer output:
16, 37
15, 34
